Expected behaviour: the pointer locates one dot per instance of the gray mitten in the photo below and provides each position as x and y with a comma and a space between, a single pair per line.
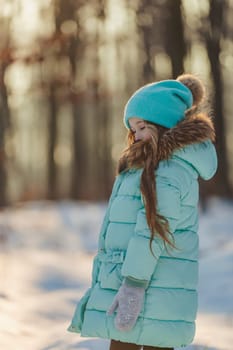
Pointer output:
128, 303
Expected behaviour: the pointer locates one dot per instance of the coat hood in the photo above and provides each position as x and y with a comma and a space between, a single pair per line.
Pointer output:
191, 141
201, 157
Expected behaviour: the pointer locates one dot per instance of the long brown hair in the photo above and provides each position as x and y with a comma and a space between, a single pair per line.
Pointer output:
144, 154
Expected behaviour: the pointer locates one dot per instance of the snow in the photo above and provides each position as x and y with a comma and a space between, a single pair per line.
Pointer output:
46, 252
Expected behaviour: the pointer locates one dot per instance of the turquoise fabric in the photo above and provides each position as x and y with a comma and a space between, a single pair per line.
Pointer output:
168, 315
163, 103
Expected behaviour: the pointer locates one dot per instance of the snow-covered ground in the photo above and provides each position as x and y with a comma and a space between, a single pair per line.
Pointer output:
46, 252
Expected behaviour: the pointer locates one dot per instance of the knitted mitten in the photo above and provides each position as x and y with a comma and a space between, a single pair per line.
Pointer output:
128, 304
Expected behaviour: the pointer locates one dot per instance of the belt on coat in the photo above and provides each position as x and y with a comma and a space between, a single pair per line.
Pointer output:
115, 257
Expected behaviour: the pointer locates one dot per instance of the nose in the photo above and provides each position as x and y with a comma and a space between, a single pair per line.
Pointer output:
136, 137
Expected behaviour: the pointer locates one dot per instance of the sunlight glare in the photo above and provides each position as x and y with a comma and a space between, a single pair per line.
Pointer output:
199, 60
162, 64
226, 60
29, 22
62, 155
69, 27
196, 8
18, 78
117, 19
6, 9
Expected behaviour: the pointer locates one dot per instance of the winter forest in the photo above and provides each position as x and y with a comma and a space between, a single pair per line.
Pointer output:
67, 68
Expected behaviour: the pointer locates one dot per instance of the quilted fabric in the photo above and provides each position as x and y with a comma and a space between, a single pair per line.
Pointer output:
167, 318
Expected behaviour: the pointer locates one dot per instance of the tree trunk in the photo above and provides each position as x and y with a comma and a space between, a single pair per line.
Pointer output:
79, 171
102, 145
145, 18
67, 10
52, 135
101, 118
4, 124
220, 184
174, 36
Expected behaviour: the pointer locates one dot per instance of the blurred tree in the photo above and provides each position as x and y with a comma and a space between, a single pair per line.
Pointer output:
90, 144
93, 56
160, 28
5, 60
213, 36
174, 42
147, 16
52, 141
74, 50
101, 121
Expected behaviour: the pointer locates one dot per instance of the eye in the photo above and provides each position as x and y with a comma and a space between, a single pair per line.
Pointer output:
133, 131
142, 128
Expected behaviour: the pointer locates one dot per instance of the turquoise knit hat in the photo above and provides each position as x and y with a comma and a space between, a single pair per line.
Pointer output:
163, 103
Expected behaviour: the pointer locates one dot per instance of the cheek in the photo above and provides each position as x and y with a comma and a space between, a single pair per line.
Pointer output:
147, 135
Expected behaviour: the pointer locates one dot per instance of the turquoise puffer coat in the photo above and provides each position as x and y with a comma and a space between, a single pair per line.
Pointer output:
168, 315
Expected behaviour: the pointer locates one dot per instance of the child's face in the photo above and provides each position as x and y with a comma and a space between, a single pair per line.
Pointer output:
140, 129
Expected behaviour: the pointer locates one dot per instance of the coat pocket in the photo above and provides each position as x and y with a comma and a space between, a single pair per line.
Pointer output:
77, 321
110, 276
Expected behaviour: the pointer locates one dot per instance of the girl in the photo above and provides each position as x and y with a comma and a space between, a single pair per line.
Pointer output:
144, 279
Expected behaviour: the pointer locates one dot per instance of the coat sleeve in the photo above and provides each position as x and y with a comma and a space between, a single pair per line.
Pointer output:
139, 262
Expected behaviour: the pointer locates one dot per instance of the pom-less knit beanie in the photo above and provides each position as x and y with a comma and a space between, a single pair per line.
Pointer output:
163, 103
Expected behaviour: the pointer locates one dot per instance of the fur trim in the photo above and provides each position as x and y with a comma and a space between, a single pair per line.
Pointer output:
193, 129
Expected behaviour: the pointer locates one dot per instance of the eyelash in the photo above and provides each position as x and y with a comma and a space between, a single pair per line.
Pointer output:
134, 131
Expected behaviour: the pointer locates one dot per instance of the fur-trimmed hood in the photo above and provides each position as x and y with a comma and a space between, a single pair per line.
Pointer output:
191, 141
